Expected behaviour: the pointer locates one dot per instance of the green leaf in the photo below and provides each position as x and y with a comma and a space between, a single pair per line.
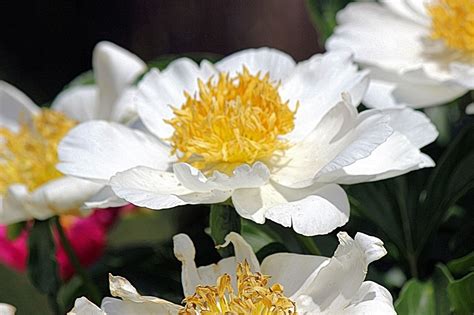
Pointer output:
223, 219
441, 278
452, 178
323, 15
416, 298
14, 230
462, 266
42, 266
461, 295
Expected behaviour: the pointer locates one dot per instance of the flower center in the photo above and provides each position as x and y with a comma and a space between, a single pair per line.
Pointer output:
453, 23
29, 156
231, 121
253, 296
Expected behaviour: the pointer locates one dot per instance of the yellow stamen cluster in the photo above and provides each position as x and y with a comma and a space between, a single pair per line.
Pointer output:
231, 121
253, 297
453, 23
29, 156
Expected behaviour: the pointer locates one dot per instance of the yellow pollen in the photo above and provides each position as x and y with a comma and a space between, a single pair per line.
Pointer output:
232, 121
453, 23
253, 296
29, 156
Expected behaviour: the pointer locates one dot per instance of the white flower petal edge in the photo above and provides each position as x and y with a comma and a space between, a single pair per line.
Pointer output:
97, 150
7, 309
193, 276
58, 196
128, 301
79, 102
14, 106
114, 69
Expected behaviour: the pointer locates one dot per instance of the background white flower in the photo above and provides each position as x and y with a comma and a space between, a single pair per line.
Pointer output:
295, 184
318, 285
416, 55
114, 69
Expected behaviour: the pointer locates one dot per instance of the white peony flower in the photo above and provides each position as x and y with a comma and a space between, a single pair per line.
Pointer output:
305, 283
421, 53
273, 136
30, 185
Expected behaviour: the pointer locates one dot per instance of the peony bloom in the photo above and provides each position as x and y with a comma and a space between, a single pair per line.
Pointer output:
88, 238
421, 53
30, 185
284, 283
273, 136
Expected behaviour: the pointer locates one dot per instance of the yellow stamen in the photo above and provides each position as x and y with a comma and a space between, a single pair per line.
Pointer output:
253, 296
29, 156
231, 121
453, 23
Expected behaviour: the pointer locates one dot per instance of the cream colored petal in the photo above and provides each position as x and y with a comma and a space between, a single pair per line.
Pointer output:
371, 298
115, 69
15, 106
7, 309
79, 102
82, 306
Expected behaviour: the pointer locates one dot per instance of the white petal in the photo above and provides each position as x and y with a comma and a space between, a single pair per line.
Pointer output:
115, 69
97, 150
191, 276
82, 306
395, 157
310, 211
463, 74
414, 10
378, 36
470, 109
157, 91
333, 286
341, 138
389, 91
15, 107
7, 309
371, 298
154, 189
105, 198
55, 197
265, 60
414, 125
317, 85
133, 302
244, 176
79, 102
125, 109
291, 270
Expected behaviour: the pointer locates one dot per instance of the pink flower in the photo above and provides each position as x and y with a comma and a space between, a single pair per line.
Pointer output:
88, 237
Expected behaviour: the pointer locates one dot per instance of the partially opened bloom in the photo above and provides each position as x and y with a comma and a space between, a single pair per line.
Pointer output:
30, 185
274, 136
284, 283
88, 238
421, 53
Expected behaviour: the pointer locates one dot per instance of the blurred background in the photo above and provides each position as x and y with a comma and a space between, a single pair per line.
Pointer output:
45, 44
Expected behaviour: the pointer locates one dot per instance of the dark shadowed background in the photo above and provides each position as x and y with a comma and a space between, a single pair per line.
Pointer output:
46, 43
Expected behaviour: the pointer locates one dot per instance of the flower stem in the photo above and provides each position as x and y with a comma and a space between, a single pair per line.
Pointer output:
94, 293
309, 244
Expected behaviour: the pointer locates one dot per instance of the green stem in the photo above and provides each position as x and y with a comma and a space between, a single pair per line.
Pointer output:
309, 244
94, 293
